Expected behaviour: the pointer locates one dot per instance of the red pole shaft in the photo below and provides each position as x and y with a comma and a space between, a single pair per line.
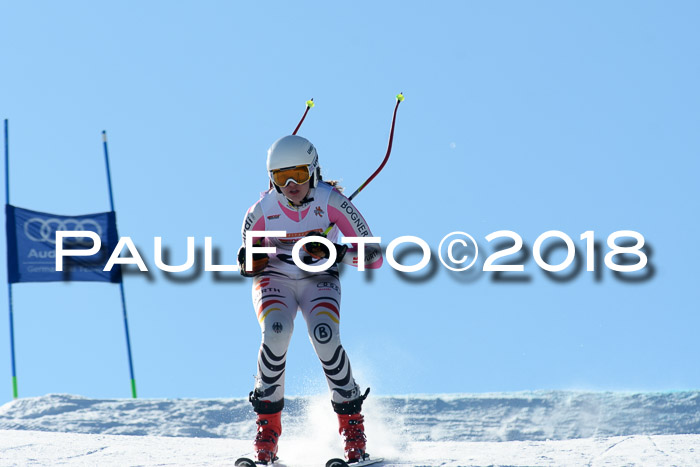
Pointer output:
304, 116
386, 158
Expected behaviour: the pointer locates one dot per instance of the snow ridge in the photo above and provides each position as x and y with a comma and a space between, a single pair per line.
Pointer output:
531, 416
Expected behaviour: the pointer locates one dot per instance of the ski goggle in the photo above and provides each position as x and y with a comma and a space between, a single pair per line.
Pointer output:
299, 175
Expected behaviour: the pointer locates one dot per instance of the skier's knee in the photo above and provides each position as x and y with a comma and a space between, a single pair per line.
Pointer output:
277, 331
326, 335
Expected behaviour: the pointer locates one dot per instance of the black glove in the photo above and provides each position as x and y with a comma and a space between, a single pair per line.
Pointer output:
260, 261
319, 251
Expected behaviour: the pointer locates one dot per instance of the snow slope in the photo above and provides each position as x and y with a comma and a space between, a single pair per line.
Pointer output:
41, 448
539, 428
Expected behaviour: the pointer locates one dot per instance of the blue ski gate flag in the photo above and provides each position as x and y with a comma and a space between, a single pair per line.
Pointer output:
31, 246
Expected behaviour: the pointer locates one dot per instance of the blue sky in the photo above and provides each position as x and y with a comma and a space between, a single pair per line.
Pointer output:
524, 116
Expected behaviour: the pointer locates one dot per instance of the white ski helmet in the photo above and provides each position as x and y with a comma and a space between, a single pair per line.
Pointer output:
293, 151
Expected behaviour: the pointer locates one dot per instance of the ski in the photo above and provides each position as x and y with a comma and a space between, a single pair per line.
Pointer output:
342, 463
245, 462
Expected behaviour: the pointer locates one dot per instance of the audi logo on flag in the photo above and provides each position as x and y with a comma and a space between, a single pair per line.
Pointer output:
44, 230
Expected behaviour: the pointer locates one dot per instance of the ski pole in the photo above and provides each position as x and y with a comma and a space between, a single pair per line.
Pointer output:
309, 104
399, 99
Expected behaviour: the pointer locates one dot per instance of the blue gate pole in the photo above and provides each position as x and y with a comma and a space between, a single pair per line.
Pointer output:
121, 282
9, 284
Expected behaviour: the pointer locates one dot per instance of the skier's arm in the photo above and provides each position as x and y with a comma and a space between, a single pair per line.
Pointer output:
350, 222
253, 220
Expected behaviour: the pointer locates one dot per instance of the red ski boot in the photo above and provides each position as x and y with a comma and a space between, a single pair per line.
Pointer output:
269, 431
352, 427
353, 431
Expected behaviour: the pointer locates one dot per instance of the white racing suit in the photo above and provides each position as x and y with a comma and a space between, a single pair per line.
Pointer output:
283, 288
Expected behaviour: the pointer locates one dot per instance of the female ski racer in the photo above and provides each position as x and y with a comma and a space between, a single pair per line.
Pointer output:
301, 203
